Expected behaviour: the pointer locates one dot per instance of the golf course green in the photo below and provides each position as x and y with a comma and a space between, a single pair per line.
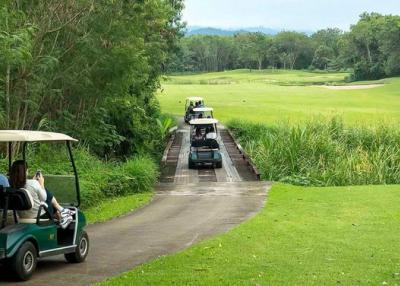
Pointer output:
274, 95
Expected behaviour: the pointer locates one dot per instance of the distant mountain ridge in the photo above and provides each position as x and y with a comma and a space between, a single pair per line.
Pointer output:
212, 31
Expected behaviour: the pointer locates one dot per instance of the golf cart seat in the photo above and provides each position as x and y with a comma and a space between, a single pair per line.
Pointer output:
198, 143
212, 143
12, 200
17, 200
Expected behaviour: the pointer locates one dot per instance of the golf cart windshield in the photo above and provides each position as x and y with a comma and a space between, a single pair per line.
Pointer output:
202, 131
49, 154
202, 112
194, 101
63, 187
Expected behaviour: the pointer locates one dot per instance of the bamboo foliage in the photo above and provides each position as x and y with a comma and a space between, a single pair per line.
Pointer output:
65, 62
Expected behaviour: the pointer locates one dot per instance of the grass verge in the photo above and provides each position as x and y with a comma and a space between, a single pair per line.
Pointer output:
304, 236
116, 207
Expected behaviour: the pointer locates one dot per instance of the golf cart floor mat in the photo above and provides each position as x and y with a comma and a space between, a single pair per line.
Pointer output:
66, 236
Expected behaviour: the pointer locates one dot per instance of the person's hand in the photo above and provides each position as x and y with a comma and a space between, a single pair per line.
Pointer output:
40, 179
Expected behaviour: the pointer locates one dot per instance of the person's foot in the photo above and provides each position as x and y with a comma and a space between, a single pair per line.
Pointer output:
66, 212
65, 221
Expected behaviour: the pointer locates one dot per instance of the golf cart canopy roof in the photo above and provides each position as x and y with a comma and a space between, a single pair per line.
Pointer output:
194, 99
32, 136
203, 109
203, 121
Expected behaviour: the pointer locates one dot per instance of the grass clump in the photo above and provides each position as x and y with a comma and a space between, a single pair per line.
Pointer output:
107, 209
133, 176
323, 152
99, 180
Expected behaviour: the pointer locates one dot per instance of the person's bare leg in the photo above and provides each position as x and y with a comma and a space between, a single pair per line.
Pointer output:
56, 204
59, 208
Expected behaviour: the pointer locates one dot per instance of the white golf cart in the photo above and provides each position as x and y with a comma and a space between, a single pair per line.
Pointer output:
192, 103
202, 112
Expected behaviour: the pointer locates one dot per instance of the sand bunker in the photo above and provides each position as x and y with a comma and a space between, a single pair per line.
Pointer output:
352, 87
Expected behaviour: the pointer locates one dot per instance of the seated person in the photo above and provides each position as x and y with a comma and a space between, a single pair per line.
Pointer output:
198, 136
5, 184
190, 109
211, 134
35, 186
4, 181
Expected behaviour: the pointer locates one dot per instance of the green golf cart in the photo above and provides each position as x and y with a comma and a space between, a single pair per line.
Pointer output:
204, 147
23, 241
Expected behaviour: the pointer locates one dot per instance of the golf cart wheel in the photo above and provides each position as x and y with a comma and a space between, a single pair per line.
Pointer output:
24, 262
81, 250
218, 165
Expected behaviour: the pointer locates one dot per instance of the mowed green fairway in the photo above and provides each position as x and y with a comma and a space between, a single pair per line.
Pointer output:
304, 236
271, 96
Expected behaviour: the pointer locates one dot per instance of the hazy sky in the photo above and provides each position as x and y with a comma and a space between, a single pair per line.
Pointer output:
285, 14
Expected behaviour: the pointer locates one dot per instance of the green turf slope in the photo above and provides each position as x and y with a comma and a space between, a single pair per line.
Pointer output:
304, 236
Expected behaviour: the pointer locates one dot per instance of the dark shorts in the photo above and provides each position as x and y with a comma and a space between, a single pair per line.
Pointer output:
48, 202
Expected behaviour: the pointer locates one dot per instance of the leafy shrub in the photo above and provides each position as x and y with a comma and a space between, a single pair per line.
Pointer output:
98, 179
134, 176
95, 131
137, 125
323, 153
366, 71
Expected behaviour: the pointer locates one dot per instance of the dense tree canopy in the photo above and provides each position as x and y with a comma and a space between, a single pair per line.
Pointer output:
88, 68
371, 49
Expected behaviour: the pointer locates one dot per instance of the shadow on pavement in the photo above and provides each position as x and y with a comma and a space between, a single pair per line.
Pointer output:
42, 267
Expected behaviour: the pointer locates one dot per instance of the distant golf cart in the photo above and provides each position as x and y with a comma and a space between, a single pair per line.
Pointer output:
190, 105
202, 112
23, 241
204, 147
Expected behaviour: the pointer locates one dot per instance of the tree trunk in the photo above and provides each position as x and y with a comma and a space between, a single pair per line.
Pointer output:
24, 117
293, 62
8, 72
369, 53
259, 64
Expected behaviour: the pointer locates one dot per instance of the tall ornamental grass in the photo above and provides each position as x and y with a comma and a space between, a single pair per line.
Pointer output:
323, 152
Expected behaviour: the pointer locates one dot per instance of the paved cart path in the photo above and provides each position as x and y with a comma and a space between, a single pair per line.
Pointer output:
197, 205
